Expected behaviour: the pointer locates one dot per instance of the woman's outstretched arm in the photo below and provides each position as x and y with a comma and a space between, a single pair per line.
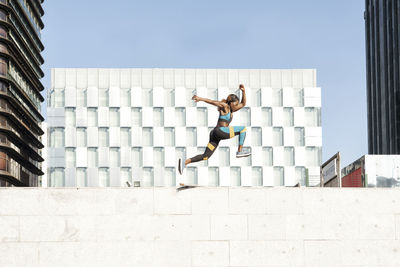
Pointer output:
217, 103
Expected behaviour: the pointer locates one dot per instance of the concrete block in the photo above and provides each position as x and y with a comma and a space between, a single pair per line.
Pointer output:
247, 253
134, 201
19, 254
168, 201
229, 227
200, 78
210, 253
266, 227
9, 226
246, 201
377, 227
180, 227
284, 201
126, 228
210, 201
172, 253
322, 253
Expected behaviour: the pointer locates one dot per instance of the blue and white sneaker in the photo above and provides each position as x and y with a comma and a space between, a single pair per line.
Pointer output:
181, 166
243, 154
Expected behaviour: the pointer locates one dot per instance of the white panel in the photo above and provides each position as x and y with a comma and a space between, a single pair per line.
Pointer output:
148, 157
309, 78
169, 116
313, 141
93, 136
190, 78
136, 78
265, 78
180, 136
70, 136
81, 78
125, 116
298, 116
288, 97
81, 157
104, 78
92, 97
299, 156
254, 79
257, 156
125, 75
313, 131
70, 97
147, 115
212, 78
180, 97
158, 78
169, 79
202, 176
312, 102
224, 176
191, 117
115, 177
201, 92
213, 161
276, 78
200, 78
268, 173
288, 136
297, 78
114, 78
202, 136
244, 77
93, 77
136, 97
266, 97
213, 116
256, 118
169, 158
125, 156
286, 78
277, 116
312, 92
223, 93
246, 175
278, 156
136, 136
81, 117
267, 138
115, 97
59, 78
222, 78
158, 136
147, 78
114, 136
179, 77
158, 97
233, 79
103, 156
103, 116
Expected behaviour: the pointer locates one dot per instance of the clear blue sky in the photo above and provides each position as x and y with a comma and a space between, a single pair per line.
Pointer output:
326, 35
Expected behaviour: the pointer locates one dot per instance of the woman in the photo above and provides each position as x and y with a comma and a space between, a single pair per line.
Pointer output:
222, 130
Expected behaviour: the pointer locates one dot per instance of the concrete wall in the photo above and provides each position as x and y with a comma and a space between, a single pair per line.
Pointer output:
200, 227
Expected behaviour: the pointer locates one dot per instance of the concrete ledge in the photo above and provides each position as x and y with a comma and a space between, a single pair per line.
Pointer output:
199, 227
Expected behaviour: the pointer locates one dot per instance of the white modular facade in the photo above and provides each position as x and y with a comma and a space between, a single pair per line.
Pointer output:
109, 126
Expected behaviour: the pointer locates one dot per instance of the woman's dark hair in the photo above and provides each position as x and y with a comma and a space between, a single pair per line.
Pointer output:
233, 98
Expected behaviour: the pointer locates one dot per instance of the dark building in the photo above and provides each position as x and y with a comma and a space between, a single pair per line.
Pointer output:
382, 27
20, 87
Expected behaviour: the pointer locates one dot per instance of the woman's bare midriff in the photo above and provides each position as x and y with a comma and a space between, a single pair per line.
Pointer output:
222, 124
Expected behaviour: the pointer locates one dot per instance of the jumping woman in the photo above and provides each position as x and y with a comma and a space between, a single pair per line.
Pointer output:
222, 131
